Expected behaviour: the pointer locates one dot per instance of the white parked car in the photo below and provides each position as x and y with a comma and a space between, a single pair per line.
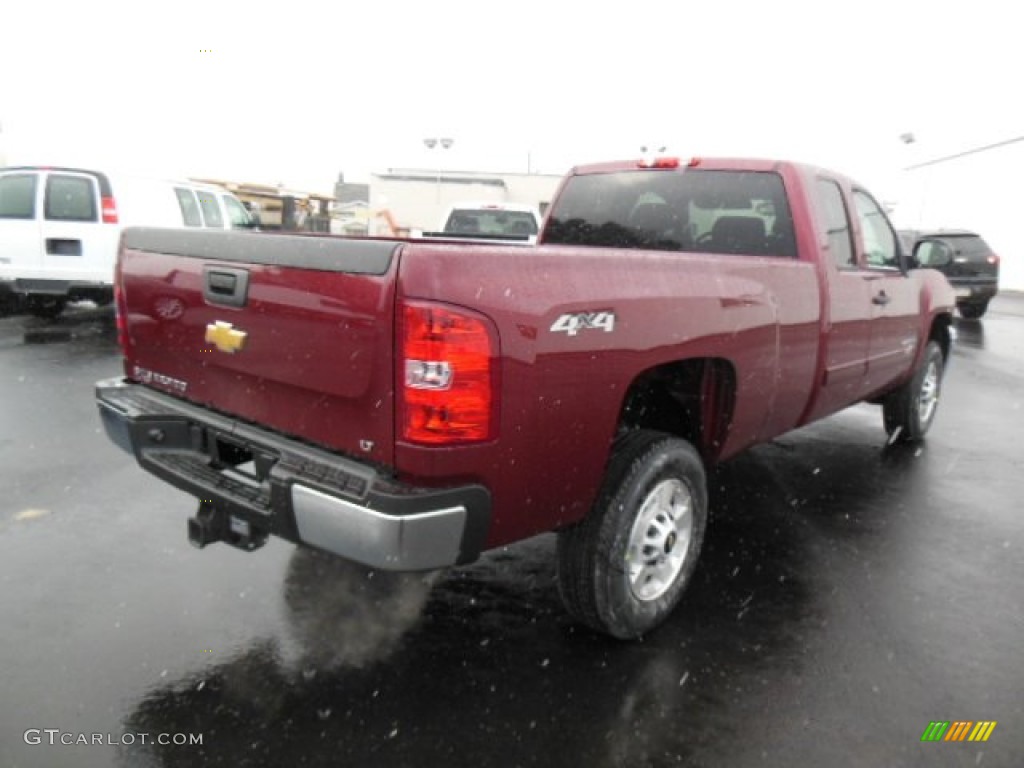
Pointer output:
59, 227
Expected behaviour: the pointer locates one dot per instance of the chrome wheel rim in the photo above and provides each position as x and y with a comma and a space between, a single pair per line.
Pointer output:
659, 540
928, 399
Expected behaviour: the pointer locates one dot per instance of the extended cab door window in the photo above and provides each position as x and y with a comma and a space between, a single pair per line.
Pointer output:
881, 247
837, 224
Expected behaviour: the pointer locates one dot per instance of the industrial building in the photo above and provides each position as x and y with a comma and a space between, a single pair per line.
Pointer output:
403, 201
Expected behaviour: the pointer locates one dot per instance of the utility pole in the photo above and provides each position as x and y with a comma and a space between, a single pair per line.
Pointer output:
433, 143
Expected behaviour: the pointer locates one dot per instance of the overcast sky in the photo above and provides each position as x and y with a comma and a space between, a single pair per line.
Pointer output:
295, 93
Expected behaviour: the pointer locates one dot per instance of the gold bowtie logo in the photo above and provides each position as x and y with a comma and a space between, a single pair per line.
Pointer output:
224, 337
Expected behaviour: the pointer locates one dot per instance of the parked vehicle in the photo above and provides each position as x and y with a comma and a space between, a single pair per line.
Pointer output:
408, 405
971, 266
489, 222
59, 228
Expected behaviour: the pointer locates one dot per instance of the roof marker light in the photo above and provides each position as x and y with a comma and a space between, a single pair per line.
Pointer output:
650, 161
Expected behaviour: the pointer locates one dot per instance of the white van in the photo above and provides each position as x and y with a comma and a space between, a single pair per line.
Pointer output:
59, 227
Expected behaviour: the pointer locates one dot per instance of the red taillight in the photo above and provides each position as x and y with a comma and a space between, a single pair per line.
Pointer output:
447, 376
109, 208
993, 259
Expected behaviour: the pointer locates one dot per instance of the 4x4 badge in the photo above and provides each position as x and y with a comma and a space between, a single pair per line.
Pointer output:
225, 337
574, 322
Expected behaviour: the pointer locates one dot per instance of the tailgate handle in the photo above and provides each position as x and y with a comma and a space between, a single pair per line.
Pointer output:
221, 284
225, 286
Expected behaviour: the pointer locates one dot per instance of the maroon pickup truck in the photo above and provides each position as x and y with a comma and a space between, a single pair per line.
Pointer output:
408, 405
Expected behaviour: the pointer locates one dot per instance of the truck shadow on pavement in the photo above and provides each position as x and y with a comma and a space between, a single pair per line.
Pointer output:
480, 666
80, 322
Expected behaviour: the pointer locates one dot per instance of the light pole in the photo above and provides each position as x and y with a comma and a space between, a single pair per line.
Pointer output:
433, 143
908, 186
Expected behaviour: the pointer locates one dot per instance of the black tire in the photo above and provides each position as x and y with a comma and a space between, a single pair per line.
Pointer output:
654, 500
47, 307
10, 304
908, 412
973, 311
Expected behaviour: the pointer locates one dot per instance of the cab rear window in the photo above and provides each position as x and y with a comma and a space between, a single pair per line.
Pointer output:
727, 212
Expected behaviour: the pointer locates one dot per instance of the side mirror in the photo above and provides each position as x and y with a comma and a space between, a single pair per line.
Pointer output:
933, 253
908, 261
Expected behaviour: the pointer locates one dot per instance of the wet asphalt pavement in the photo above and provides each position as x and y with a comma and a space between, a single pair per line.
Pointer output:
848, 595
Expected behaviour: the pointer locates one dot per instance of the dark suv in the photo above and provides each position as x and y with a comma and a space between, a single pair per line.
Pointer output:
965, 259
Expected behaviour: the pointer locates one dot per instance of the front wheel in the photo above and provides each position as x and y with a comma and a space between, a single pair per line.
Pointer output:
623, 569
908, 412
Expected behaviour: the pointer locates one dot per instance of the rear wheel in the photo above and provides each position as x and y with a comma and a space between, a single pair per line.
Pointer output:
623, 569
909, 411
46, 306
973, 311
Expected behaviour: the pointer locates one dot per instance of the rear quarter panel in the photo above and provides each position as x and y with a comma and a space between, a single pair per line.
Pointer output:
561, 395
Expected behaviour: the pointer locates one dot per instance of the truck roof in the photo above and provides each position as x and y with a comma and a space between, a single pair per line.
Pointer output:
676, 162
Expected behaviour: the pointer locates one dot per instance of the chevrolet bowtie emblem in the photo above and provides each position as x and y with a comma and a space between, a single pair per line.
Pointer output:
224, 337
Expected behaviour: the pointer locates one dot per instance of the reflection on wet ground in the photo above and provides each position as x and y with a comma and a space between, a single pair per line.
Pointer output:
970, 333
386, 668
849, 593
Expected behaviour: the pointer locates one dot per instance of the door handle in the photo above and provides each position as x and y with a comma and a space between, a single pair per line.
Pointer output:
56, 246
881, 298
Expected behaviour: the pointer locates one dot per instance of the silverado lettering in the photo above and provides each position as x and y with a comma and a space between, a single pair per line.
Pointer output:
395, 405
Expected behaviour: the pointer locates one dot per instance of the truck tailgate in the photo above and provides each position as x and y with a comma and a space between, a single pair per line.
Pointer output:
293, 333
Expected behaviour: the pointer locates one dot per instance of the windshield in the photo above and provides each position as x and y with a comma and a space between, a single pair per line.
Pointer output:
237, 215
